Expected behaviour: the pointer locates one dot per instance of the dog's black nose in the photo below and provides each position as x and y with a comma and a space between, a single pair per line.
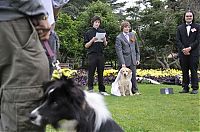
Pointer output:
32, 117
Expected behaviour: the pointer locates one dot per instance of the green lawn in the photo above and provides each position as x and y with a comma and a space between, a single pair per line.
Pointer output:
155, 112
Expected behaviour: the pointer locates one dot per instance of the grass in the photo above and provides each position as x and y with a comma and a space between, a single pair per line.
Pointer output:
155, 112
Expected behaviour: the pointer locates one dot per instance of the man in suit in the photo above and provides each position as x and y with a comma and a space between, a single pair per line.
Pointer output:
188, 39
128, 54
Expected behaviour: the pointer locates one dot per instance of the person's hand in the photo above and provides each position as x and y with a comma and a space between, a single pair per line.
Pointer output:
104, 39
123, 65
93, 39
186, 51
137, 62
87, 45
42, 27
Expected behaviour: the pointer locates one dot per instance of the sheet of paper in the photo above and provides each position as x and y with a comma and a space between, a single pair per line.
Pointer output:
100, 37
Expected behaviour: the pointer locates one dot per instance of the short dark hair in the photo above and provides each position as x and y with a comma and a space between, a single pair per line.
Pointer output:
95, 18
185, 14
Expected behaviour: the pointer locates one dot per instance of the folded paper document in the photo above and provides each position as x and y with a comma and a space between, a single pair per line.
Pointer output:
100, 37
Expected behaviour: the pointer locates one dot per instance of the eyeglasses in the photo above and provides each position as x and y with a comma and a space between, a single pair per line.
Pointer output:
188, 16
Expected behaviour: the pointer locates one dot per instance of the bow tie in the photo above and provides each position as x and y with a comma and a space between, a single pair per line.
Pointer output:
188, 25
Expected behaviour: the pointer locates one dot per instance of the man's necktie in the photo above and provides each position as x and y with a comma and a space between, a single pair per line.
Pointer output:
127, 37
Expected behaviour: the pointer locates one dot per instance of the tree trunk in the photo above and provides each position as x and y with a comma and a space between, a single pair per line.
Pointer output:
160, 62
165, 61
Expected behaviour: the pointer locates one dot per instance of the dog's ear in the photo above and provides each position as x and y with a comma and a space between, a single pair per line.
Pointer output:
46, 84
130, 73
121, 70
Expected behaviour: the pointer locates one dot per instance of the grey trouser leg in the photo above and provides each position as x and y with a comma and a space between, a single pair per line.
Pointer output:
133, 79
23, 68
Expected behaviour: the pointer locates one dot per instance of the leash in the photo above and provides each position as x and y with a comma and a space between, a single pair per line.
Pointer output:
48, 48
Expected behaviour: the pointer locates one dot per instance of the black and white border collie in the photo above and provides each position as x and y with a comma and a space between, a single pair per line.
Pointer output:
68, 107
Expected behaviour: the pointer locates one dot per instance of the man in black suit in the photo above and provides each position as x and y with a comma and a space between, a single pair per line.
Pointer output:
188, 44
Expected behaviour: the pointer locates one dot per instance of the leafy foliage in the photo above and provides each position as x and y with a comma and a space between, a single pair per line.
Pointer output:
157, 28
67, 32
75, 7
71, 31
109, 23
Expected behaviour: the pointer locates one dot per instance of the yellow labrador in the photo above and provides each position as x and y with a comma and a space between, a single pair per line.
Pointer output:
124, 82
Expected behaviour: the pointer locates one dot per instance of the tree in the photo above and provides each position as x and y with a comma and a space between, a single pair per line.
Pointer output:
109, 23
75, 7
183, 5
67, 32
193, 5
157, 24
71, 29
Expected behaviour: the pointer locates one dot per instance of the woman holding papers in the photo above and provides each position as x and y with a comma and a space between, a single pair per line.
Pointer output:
94, 42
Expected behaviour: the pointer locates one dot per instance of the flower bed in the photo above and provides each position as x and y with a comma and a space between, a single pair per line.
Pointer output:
168, 76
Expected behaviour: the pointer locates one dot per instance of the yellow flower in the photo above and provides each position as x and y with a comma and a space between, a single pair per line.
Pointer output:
158, 72
65, 71
110, 72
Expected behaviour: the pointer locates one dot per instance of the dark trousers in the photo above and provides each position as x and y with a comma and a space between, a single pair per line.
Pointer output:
96, 61
189, 63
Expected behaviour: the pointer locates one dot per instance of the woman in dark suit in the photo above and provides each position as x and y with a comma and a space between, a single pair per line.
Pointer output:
188, 39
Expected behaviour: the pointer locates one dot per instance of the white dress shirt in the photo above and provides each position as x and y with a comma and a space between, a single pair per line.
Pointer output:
188, 27
49, 8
